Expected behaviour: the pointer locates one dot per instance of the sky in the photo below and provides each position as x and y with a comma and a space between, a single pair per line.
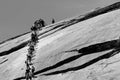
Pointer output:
17, 16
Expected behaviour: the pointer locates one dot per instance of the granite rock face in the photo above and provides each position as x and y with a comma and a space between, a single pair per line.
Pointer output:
81, 48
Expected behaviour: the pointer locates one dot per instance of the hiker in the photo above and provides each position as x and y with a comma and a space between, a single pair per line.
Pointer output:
29, 57
31, 43
28, 74
35, 32
37, 24
34, 38
32, 69
53, 21
34, 28
41, 23
27, 64
31, 48
31, 52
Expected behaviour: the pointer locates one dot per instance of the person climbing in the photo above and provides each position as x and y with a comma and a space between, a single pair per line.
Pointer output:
31, 51
29, 57
37, 24
34, 38
28, 75
41, 23
27, 64
33, 28
31, 43
31, 48
53, 21
30, 72
32, 69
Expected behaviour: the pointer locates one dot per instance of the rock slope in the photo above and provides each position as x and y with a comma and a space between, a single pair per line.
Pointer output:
81, 48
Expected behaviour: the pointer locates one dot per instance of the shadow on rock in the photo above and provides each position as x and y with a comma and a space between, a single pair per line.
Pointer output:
105, 56
99, 47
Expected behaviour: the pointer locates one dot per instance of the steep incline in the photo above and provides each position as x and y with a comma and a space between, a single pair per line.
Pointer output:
80, 51
94, 38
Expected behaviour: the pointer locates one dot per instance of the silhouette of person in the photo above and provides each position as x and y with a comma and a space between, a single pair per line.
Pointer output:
42, 22
32, 48
34, 38
31, 52
27, 64
34, 28
32, 68
30, 43
39, 23
53, 21
36, 22
29, 57
28, 73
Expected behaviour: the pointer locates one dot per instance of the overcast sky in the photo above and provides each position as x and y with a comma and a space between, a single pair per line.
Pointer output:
17, 16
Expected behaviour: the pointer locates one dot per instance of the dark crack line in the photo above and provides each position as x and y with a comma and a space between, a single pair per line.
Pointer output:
70, 59
105, 56
83, 51
13, 49
99, 47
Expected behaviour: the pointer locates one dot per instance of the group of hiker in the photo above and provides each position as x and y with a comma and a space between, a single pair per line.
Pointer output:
38, 24
29, 74
30, 69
